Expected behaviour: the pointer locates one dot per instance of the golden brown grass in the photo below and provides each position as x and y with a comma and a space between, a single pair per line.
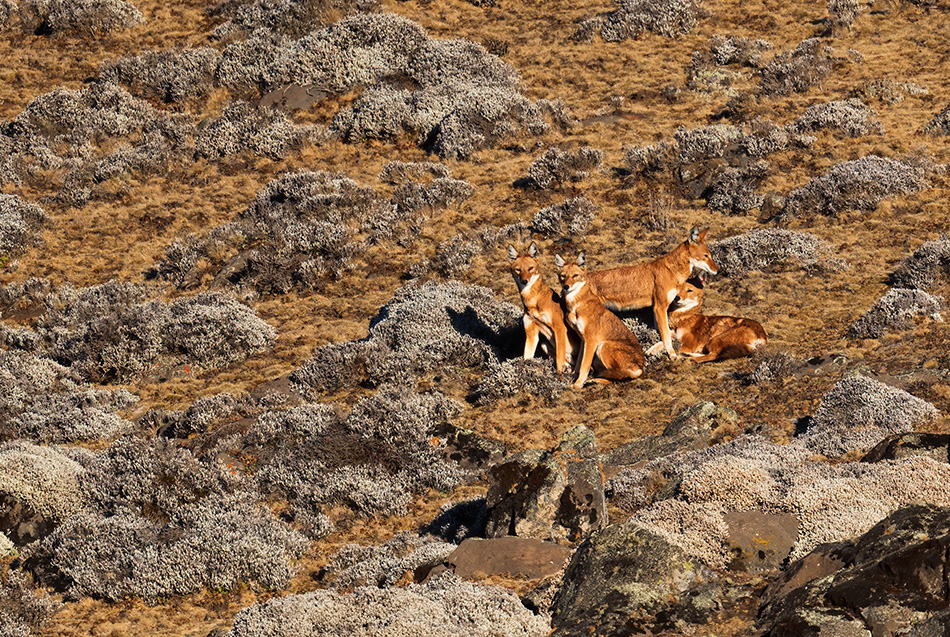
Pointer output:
805, 315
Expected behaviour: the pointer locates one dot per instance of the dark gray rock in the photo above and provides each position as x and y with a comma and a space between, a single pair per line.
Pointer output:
20, 523
557, 495
901, 446
691, 429
882, 583
619, 578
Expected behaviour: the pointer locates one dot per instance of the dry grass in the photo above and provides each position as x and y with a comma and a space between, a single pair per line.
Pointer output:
805, 314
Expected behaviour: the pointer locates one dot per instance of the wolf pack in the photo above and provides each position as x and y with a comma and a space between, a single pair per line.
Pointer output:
587, 336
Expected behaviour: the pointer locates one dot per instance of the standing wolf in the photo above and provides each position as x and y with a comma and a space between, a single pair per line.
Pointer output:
655, 282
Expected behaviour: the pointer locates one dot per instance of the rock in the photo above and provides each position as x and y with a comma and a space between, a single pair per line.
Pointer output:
759, 541
21, 524
557, 495
691, 429
521, 557
900, 446
886, 581
619, 578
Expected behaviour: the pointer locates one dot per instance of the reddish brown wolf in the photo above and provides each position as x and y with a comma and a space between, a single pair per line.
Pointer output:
655, 282
606, 343
542, 307
709, 338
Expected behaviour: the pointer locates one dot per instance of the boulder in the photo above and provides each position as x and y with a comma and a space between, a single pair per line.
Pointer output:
556, 495
619, 578
760, 542
690, 430
520, 557
885, 582
900, 446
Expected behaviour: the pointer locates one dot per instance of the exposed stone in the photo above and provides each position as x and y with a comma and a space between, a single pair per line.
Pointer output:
691, 429
882, 583
557, 495
20, 523
900, 446
520, 557
759, 541
618, 578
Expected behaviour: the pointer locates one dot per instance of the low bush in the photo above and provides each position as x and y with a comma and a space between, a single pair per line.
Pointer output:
632, 18
760, 249
263, 131
87, 136
293, 18
894, 311
860, 184
22, 612
424, 328
940, 124
921, 269
371, 461
859, 412
218, 542
112, 332
56, 17
445, 605
384, 565
851, 118
570, 218
798, 70
561, 168
43, 478
20, 225
519, 377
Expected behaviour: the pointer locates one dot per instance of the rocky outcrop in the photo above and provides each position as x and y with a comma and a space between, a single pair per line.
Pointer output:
891, 580
556, 495
618, 579
690, 430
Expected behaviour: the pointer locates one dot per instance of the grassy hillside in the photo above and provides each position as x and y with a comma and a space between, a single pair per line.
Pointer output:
620, 95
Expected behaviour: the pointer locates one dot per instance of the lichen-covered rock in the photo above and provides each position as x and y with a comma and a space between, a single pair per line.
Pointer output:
445, 605
882, 581
548, 496
617, 577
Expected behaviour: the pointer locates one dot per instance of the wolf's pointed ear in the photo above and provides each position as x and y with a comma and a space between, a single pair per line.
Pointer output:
558, 261
512, 253
533, 250
695, 236
581, 261
702, 235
